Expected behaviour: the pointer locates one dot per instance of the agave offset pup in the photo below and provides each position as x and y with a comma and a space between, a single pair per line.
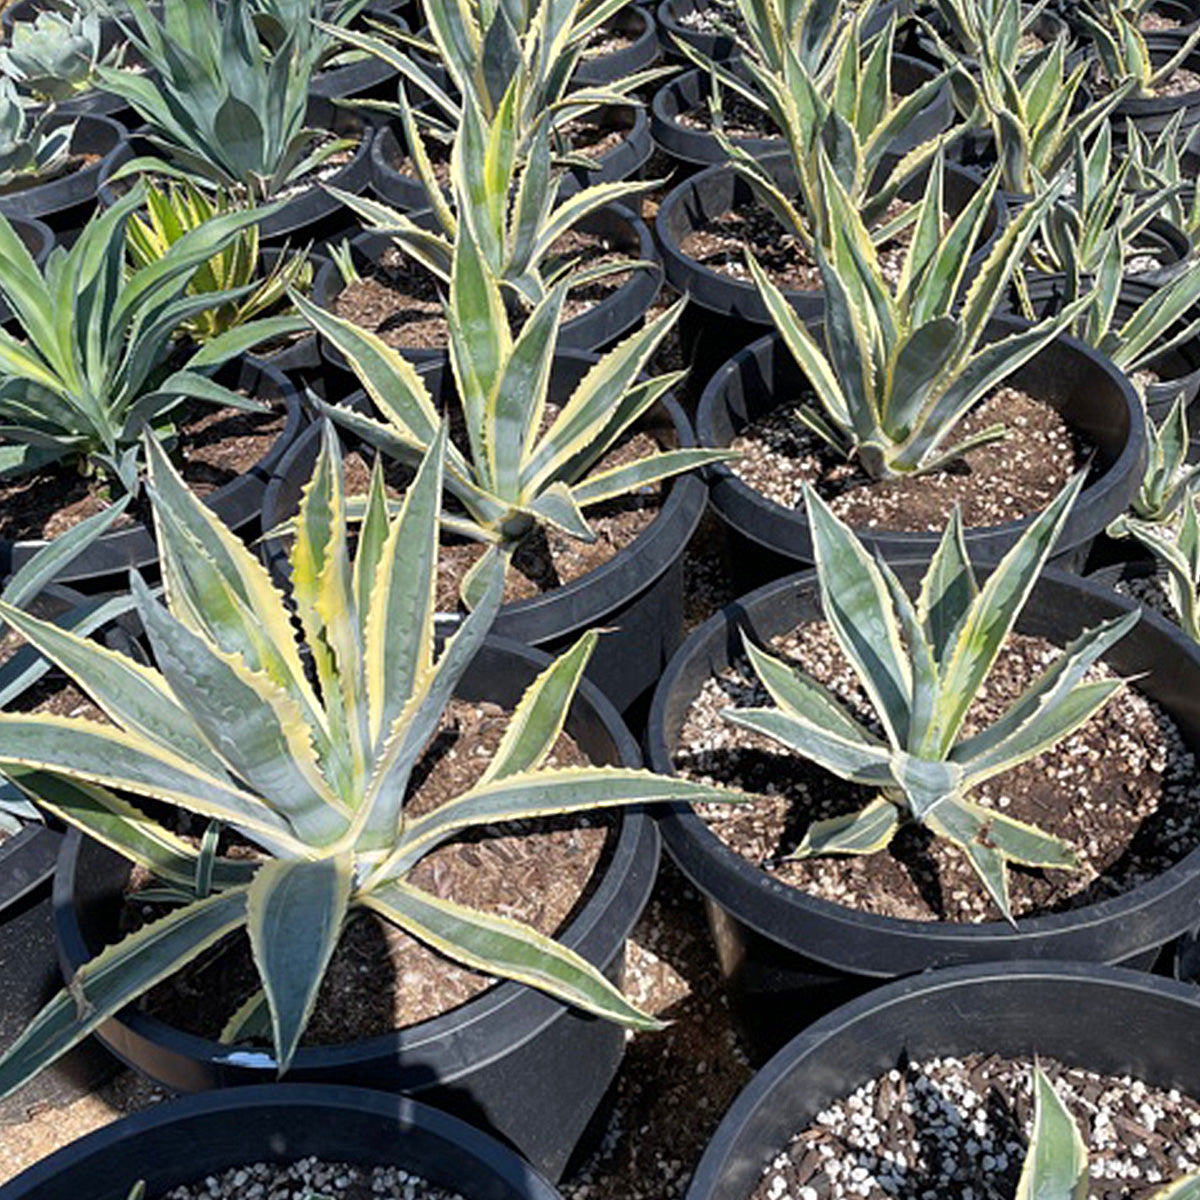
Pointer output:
313, 771
1114, 27
1056, 1160
1158, 166
176, 209
902, 364
514, 475
1168, 479
220, 109
97, 362
34, 144
54, 56
922, 664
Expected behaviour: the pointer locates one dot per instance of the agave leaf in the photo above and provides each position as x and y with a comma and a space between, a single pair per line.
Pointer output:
1056, 1161
116, 976
627, 479
864, 832
948, 589
252, 1019
294, 916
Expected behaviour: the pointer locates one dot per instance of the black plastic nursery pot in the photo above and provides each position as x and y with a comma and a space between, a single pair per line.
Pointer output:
636, 26
1185, 12
66, 202
1178, 370
107, 562
1097, 1018
600, 326
1094, 398
206, 1135
404, 191
312, 216
497, 1060
789, 956
725, 312
637, 595
1152, 114
699, 148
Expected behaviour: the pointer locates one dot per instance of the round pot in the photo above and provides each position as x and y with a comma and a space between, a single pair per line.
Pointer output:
495, 1060
1092, 395
643, 51
1152, 114
312, 216
29, 974
238, 503
789, 956
602, 325
39, 241
1186, 12
700, 148
1100, 1018
725, 313
65, 203
622, 161
280, 1123
637, 595
1179, 368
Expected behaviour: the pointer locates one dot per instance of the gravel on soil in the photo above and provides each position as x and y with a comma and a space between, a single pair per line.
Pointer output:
310, 1179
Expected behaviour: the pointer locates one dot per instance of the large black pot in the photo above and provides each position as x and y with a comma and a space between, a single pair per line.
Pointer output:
207, 1135
106, 563
1099, 1018
313, 216
1094, 397
789, 956
622, 161
617, 314
700, 148
637, 595
65, 203
496, 1061
29, 974
726, 313
643, 50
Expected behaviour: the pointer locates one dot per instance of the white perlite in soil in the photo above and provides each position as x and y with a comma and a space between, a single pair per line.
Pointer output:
952, 1127
311, 1179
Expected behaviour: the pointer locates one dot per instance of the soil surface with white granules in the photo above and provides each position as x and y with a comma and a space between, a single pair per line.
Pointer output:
1121, 791
311, 1179
959, 1127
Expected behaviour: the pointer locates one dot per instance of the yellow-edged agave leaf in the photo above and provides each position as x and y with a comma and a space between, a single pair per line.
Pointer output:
295, 912
1181, 1189
948, 589
252, 724
864, 832
621, 481
1056, 1163
117, 975
498, 946
372, 536
251, 1018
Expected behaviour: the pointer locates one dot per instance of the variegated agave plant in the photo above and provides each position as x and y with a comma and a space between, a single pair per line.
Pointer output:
231, 727
1114, 27
34, 144
174, 210
504, 200
1175, 544
53, 56
845, 109
1056, 1161
967, 24
903, 364
1158, 166
1168, 478
922, 664
513, 475
219, 108
1029, 104
97, 363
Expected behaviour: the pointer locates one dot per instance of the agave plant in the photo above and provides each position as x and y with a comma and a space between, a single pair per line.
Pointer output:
1157, 166
26, 666
176, 209
53, 56
314, 773
505, 203
902, 365
1030, 106
34, 144
968, 25
515, 475
1176, 546
1114, 27
844, 108
98, 362
1168, 478
307, 20
218, 107
922, 664
1056, 1161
